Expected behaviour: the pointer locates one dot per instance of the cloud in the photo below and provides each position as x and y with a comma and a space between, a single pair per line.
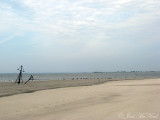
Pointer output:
5, 40
12, 24
69, 28
67, 17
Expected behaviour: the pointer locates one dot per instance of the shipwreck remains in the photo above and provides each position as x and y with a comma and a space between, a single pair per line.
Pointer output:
19, 78
30, 78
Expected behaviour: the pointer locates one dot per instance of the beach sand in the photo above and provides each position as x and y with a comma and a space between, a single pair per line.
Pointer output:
11, 88
127, 99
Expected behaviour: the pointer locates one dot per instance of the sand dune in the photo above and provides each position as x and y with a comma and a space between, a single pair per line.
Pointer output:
109, 101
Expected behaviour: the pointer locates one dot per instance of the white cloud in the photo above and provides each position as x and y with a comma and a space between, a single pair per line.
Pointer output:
80, 28
11, 23
6, 39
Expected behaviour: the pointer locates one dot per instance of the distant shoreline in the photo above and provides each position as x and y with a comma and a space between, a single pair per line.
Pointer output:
78, 76
80, 72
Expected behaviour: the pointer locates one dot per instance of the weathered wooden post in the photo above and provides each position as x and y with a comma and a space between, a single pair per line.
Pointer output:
30, 78
19, 78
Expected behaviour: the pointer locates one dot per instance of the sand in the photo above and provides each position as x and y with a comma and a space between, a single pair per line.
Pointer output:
128, 99
10, 88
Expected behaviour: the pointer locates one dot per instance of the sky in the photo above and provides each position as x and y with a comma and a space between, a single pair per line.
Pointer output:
79, 35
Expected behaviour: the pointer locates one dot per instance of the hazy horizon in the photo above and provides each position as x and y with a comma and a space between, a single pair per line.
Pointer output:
74, 72
79, 36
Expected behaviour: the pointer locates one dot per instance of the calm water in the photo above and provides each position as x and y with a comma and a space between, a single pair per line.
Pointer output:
69, 76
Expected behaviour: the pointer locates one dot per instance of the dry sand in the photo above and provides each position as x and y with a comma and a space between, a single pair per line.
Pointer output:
128, 99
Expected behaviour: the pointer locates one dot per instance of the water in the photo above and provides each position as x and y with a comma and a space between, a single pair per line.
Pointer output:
75, 76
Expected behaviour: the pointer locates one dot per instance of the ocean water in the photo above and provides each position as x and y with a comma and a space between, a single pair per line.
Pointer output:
77, 76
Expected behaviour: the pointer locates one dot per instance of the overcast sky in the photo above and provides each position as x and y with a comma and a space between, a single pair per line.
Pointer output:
79, 35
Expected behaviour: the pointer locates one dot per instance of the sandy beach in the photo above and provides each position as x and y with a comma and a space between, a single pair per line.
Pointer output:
11, 88
127, 99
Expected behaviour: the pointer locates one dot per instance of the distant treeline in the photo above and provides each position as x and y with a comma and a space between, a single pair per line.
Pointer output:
125, 71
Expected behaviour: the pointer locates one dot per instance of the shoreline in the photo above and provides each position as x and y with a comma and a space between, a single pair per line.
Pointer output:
11, 88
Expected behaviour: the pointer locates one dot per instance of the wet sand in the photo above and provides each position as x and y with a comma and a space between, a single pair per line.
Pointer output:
10, 88
108, 101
